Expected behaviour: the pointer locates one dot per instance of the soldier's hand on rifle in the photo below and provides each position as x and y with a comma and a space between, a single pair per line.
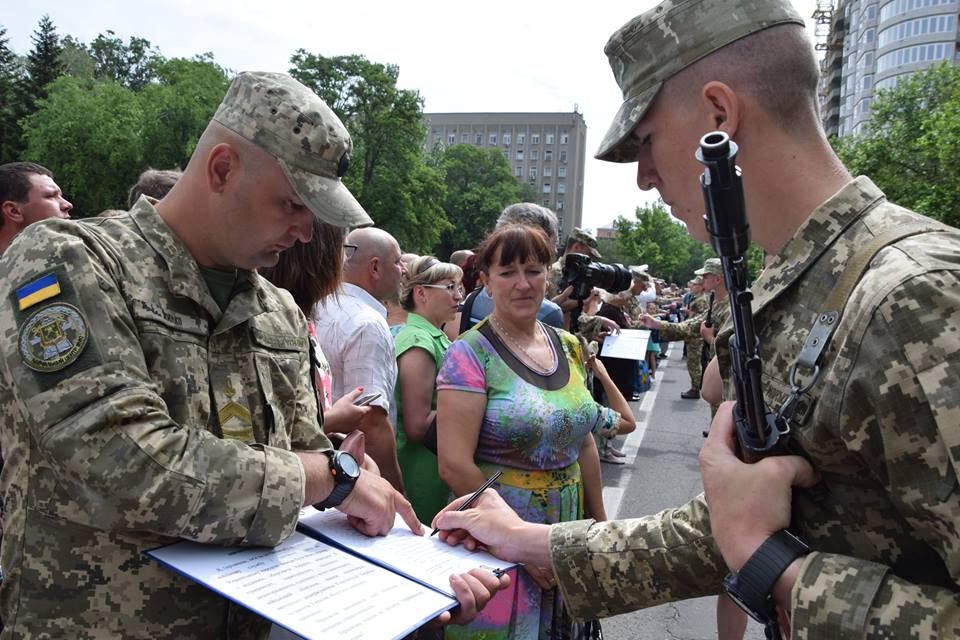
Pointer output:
747, 502
649, 321
707, 332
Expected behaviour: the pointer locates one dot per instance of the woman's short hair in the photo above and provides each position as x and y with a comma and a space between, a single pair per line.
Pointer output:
425, 270
310, 271
514, 242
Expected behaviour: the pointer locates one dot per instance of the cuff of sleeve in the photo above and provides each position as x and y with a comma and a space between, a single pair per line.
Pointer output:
833, 595
576, 578
608, 423
281, 497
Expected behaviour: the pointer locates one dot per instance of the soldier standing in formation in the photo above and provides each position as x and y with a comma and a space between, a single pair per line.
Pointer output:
878, 430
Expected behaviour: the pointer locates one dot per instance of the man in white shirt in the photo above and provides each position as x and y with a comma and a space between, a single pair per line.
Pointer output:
353, 334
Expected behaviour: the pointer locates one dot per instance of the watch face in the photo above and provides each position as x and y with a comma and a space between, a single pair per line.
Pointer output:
348, 464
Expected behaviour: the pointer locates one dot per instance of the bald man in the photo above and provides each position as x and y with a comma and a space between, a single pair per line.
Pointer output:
159, 389
355, 338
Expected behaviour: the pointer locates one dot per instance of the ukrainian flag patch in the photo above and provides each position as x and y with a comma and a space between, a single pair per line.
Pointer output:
37, 291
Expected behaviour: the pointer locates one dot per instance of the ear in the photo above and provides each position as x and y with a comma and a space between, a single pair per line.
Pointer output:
725, 106
484, 278
222, 166
11, 211
373, 268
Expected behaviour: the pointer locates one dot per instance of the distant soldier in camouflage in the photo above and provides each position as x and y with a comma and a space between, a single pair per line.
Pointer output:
154, 388
689, 330
879, 429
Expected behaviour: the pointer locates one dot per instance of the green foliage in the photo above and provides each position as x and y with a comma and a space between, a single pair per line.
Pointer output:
178, 107
89, 135
76, 59
911, 145
661, 242
43, 61
612, 252
388, 174
9, 104
132, 64
479, 185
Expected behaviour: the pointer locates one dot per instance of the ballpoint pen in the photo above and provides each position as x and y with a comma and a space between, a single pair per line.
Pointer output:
476, 494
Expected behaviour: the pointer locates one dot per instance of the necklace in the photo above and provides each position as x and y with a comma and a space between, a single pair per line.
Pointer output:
538, 366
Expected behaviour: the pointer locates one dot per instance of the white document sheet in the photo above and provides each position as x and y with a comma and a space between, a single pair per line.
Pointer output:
422, 558
630, 344
310, 588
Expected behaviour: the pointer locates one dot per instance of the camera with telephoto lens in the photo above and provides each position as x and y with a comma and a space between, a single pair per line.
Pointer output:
584, 275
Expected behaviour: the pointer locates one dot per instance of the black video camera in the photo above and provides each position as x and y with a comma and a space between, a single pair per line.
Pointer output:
584, 275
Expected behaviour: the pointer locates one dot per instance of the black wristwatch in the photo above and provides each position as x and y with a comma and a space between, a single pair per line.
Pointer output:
345, 471
751, 587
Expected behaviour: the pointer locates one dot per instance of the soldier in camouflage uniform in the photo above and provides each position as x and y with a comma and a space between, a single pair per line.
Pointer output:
154, 388
589, 326
879, 429
689, 330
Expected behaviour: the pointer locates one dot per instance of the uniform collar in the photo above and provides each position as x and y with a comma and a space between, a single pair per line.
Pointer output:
815, 236
418, 321
185, 278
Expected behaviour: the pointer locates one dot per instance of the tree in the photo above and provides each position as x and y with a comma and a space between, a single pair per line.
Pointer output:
479, 185
43, 61
9, 103
660, 241
133, 64
912, 142
89, 135
388, 175
177, 108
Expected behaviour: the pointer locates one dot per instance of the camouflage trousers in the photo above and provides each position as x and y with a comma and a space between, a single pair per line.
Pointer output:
694, 348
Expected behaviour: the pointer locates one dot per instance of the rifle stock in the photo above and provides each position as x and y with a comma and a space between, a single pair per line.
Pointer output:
759, 432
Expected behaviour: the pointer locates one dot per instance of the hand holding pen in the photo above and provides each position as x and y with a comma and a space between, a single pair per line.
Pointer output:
476, 494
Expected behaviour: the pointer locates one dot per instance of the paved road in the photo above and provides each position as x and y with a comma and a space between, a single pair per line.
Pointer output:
661, 472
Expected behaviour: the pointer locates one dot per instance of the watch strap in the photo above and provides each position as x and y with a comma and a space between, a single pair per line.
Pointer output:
342, 484
755, 580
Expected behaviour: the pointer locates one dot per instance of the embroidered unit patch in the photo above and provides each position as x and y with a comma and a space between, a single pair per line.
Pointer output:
53, 337
37, 291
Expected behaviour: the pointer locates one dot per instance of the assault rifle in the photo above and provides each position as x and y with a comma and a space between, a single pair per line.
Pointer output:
760, 432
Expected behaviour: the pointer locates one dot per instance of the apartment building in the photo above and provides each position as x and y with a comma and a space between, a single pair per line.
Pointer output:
546, 150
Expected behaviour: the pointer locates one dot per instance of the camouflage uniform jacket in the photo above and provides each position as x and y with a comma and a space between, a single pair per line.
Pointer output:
114, 446
883, 433
689, 329
699, 305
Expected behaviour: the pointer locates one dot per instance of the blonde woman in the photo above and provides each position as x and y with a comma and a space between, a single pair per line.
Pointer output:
430, 293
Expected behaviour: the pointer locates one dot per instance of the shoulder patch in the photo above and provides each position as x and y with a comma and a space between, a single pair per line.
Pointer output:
53, 337
37, 291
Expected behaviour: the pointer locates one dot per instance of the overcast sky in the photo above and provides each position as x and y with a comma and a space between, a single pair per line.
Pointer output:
496, 55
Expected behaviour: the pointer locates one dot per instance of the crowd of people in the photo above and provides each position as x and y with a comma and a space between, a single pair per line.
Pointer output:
243, 341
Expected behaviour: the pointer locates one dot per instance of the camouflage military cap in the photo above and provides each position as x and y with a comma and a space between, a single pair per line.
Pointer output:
294, 125
711, 266
585, 238
640, 273
697, 280
657, 44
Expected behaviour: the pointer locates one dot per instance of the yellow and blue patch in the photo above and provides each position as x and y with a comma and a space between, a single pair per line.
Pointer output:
37, 291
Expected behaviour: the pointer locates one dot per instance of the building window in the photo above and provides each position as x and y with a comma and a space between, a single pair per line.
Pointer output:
506, 155
563, 155
559, 204
519, 154
866, 83
451, 138
533, 172
521, 138
564, 138
561, 172
518, 172
561, 187
479, 138
534, 154
868, 36
547, 155
871, 12
534, 138
464, 138
506, 139
546, 187
549, 138
493, 139
546, 202
547, 171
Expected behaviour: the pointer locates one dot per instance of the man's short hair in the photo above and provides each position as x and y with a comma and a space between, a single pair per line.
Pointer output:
155, 183
15, 182
530, 214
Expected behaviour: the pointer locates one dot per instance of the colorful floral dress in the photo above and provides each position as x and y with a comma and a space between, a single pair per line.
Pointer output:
532, 429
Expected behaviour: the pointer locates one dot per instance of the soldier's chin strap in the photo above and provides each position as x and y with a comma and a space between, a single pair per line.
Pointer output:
810, 362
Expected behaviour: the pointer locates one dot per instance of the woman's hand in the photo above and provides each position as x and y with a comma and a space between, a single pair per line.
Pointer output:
344, 415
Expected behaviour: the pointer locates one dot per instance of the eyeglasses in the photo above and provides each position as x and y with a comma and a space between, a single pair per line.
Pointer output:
451, 287
349, 250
